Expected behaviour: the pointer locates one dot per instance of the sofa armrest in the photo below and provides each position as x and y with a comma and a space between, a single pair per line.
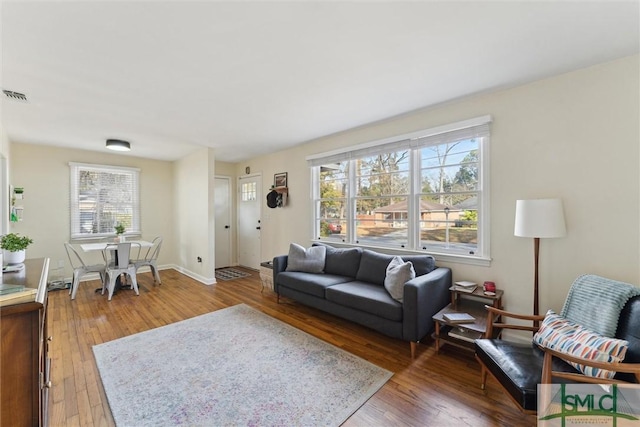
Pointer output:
423, 297
279, 265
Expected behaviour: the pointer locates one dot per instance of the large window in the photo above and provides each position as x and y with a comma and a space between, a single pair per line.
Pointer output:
101, 197
426, 191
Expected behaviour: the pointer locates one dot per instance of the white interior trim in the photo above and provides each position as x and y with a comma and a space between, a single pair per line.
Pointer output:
464, 124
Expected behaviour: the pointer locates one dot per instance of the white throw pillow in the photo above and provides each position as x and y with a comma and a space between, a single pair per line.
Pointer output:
398, 273
306, 260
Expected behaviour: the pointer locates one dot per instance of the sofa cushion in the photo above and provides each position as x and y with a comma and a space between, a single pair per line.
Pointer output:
373, 267
398, 273
341, 261
306, 260
565, 336
366, 297
309, 283
422, 264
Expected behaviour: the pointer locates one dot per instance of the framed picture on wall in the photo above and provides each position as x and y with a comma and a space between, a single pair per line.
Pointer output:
280, 179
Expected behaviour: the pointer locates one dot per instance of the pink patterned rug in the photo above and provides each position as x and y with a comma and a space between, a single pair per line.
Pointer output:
235, 366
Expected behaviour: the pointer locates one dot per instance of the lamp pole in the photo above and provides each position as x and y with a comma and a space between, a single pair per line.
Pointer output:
539, 218
446, 214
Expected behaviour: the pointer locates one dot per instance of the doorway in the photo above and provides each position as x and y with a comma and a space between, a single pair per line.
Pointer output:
249, 210
222, 204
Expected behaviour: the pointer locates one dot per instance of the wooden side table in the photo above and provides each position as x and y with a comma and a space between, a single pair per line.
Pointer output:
496, 299
462, 335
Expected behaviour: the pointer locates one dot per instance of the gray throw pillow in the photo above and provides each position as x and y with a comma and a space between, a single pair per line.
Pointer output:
422, 264
373, 266
341, 261
306, 260
398, 273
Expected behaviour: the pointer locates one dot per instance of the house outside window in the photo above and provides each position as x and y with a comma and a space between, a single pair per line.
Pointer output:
101, 197
426, 191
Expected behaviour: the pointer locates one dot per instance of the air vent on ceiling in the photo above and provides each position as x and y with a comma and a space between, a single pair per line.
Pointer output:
16, 96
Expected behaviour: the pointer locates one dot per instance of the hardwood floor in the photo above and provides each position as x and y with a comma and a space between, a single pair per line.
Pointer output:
432, 390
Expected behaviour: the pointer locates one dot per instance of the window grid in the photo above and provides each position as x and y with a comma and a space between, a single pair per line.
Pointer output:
248, 192
101, 197
431, 202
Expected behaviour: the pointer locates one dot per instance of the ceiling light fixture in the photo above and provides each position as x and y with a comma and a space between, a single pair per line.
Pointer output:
118, 145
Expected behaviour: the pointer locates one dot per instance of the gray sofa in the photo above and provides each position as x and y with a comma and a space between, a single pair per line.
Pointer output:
352, 287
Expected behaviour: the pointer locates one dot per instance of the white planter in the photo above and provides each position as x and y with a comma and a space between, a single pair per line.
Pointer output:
14, 257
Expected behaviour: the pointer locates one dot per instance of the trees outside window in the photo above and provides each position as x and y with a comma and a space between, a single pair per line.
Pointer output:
422, 195
101, 197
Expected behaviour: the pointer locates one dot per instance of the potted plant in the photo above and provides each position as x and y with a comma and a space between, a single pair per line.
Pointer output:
14, 247
119, 232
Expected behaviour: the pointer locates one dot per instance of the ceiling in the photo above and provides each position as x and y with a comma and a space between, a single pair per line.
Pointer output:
249, 78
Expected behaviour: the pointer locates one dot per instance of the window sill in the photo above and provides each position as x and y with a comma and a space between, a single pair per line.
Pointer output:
440, 257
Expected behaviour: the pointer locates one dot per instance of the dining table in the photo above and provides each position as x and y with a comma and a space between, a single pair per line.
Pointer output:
101, 246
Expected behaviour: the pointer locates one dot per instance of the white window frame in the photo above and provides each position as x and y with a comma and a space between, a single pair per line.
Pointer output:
74, 199
413, 141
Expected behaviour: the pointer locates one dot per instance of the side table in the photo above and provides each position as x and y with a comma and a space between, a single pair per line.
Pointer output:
462, 335
266, 275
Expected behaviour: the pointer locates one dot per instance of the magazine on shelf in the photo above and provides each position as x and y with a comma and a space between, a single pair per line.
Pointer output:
466, 289
466, 284
464, 334
459, 318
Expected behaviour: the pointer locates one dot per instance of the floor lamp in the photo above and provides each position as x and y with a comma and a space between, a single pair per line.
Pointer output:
539, 218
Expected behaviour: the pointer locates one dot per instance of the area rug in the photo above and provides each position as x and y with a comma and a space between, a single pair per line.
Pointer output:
230, 274
235, 366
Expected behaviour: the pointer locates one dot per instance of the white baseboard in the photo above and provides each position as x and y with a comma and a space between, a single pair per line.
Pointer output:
194, 276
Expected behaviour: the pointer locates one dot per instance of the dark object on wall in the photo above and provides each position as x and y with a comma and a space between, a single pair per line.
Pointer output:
272, 199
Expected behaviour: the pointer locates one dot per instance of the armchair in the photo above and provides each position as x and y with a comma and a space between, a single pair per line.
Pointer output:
519, 366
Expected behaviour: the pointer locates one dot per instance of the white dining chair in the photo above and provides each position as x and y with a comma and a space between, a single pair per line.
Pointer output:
80, 268
118, 261
150, 259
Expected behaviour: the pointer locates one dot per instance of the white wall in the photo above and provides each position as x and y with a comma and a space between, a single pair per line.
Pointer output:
176, 202
574, 136
43, 171
193, 210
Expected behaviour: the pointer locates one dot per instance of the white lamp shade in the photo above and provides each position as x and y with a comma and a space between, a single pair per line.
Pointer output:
542, 218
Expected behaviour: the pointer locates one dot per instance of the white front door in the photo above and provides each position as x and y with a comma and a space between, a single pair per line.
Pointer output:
249, 199
222, 204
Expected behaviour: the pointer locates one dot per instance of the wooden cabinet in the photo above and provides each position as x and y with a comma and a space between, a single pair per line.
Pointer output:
24, 359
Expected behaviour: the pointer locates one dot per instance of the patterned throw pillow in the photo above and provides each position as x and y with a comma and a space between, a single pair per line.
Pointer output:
306, 260
565, 336
398, 273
